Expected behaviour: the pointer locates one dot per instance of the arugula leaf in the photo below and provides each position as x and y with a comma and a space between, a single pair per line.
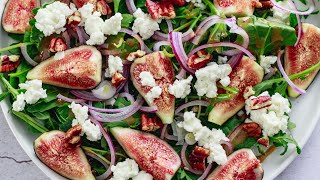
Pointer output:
116, 5
127, 20
282, 140
4, 95
41, 115
122, 102
293, 20
41, 106
229, 126
184, 175
30, 121
248, 143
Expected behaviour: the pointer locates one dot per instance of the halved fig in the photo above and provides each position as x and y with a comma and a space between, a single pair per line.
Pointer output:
80, 68
238, 8
17, 14
80, 3
303, 56
247, 73
161, 68
242, 164
152, 154
54, 150
243, 131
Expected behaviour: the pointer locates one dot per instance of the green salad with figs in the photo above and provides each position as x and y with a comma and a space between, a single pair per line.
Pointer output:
158, 89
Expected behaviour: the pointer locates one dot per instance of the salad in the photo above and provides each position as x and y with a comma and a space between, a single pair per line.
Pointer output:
169, 89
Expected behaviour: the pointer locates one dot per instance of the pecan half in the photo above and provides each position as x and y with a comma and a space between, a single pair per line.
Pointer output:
134, 55
160, 9
9, 63
264, 141
117, 78
199, 59
197, 158
73, 135
103, 8
150, 124
57, 45
252, 129
74, 19
260, 102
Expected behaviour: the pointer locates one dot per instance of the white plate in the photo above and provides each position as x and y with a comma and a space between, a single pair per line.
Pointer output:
305, 113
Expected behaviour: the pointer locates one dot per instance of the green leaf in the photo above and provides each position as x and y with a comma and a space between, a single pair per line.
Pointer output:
42, 106
283, 140
30, 121
4, 95
127, 20
122, 102
51, 94
248, 143
229, 126
17, 37
116, 5
41, 115
291, 125
293, 20
184, 175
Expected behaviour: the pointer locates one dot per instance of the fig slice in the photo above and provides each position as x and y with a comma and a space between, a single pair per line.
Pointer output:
162, 70
238, 8
80, 68
242, 164
17, 14
54, 150
152, 154
80, 3
303, 56
247, 73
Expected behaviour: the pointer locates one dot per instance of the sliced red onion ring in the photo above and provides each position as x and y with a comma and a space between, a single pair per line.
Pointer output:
225, 44
170, 27
111, 148
82, 41
84, 34
181, 74
309, 11
128, 96
94, 156
285, 76
131, 6
234, 61
85, 95
152, 109
163, 131
100, 91
143, 47
64, 98
157, 45
170, 137
157, 37
299, 22
272, 71
107, 52
206, 172
192, 103
185, 162
177, 47
126, 74
26, 55
188, 35
126, 88
228, 145
66, 37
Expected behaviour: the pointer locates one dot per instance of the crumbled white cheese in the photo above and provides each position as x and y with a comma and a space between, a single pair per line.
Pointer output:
190, 139
143, 176
266, 62
144, 24
154, 93
278, 14
59, 55
93, 27
91, 130
80, 113
134, 55
197, 3
208, 76
125, 170
181, 88
271, 119
34, 92
19, 103
147, 79
52, 18
112, 25
210, 139
96, 38
225, 81
222, 59
114, 65
85, 11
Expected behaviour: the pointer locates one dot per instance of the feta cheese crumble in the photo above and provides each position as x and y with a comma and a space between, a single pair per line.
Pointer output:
197, 3
181, 88
129, 169
154, 93
112, 25
85, 12
210, 139
142, 175
80, 113
222, 59
147, 79
208, 76
266, 62
52, 18
114, 65
59, 55
19, 103
279, 15
272, 119
144, 24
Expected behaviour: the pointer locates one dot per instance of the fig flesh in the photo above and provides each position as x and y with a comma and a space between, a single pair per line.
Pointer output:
80, 68
303, 56
242, 164
54, 150
238, 8
17, 14
152, 154
80, 3
162, 70
247, 73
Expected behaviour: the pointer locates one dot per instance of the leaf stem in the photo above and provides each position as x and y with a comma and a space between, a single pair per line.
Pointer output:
12, 90
29, 120
15, 46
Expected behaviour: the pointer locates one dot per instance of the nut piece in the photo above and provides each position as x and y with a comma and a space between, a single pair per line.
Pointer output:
103, 8
134, 55
57, 45
264, 141
161, 9
73, 135
265, 4
248, 92
178, 2
150, 124
260, 102
117, 78
198, 157
74, 19
252, 129
199, 59
9, 63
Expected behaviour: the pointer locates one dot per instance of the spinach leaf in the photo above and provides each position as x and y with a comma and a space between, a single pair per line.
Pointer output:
17, 37
41, 106
30, 121
229, 126
282, 140
127, 20
248, 143
41, 115
116, 5
121, 102
184, 175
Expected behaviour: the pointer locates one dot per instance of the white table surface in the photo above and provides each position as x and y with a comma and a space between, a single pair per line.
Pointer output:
15, 164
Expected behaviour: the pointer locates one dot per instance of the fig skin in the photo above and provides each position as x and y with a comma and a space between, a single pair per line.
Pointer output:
302, 57
152, 154
247, 73
242, 164
79, 69
54, 150
162, 70
17, 15
238, 8
80, 3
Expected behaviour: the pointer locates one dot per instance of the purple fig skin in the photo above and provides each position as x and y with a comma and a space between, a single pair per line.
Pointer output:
238, 8
80, 3
152, 154
54, 150
79, 69
247, 73
17, 15
242, 164
302, 57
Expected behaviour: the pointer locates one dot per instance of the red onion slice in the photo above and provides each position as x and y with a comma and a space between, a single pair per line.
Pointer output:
152, 109
285, 76
181, 74
66, 37
26, 56
126, 74
185, 162
131, 6
206, 172
225, 44
192, 103
157, 45
169, 23
143, 47
163, 131
234, 61
85, 95
229, 145
309, 11
299, 22
82, 41
188, 35
66, 99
